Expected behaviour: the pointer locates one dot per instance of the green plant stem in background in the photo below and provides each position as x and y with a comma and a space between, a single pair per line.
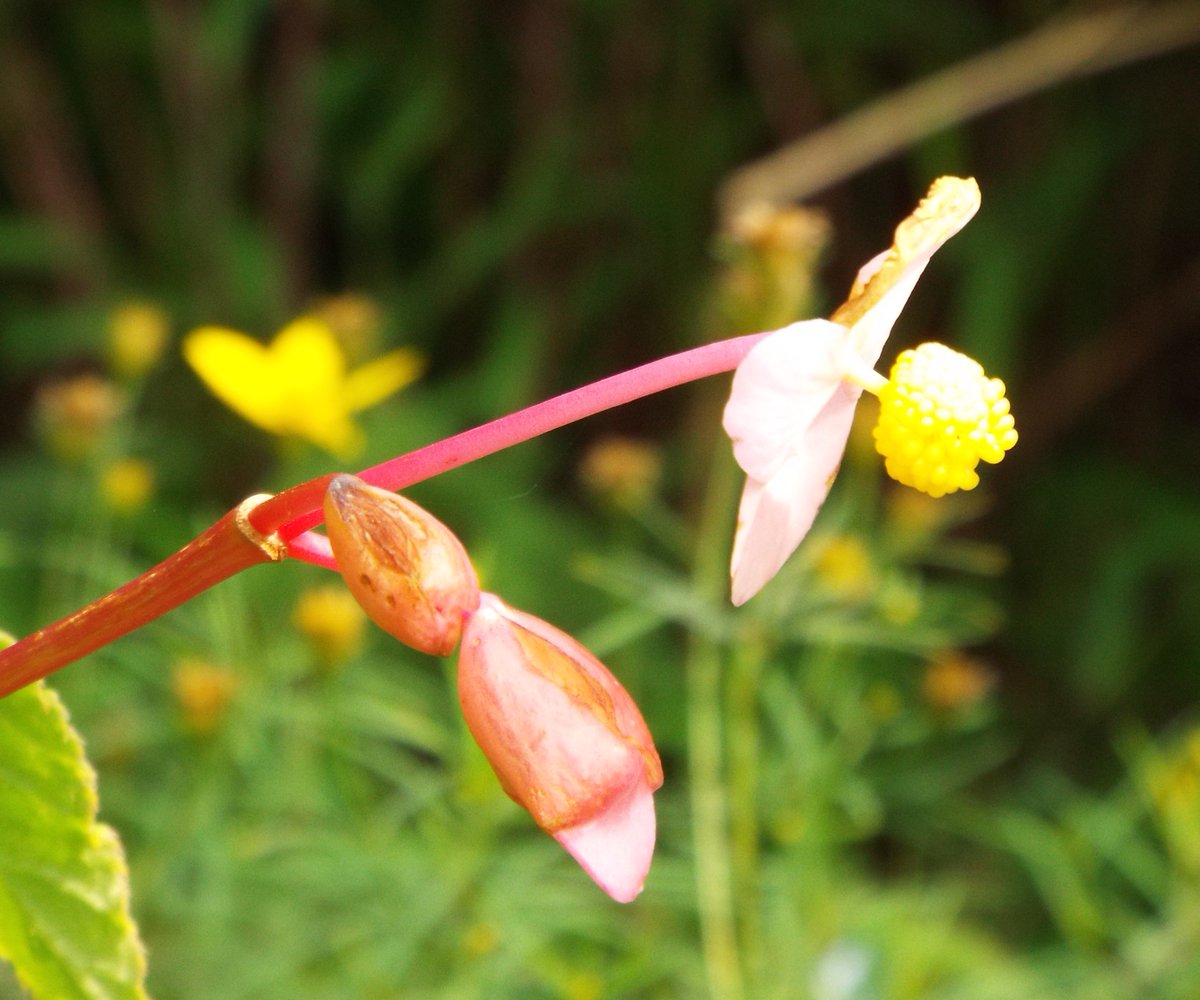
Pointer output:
703, 667
744, 683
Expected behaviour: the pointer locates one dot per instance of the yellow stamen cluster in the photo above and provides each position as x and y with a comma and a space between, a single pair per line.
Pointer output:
938, 416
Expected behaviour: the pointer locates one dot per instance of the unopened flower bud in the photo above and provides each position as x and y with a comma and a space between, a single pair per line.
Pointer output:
332, 621
76, 413
126, 485
565, 739
137, 336
204, 692
408, 571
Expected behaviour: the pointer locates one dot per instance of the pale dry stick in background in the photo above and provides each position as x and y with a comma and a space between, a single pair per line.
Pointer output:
1060, 51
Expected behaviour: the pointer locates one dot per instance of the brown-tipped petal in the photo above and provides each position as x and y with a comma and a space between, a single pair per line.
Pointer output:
407, 569
565, 739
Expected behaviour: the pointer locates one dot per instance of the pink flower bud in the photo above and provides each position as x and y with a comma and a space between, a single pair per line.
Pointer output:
565, 739
406, 568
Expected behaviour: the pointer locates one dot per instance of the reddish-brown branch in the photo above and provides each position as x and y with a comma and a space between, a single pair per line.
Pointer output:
219, 553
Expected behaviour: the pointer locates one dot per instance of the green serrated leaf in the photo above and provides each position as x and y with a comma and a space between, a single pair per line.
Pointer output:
64, 888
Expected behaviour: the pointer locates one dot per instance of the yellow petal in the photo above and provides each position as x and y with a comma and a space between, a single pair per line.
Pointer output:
307, 361
238, 371
376, 380
311, 368
297, 385
333, 431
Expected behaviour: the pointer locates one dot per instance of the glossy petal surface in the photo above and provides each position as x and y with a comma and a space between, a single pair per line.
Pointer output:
565, 740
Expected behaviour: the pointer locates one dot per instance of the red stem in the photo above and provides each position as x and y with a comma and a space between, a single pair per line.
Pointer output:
225, 548
296, 510
219, 553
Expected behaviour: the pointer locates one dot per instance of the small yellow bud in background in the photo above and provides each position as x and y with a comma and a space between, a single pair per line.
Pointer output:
882, 702
622, 471
771, 255
75, 414
331, 620
137, 338
844, 568
1171, 778
954, 681
408, 571
203, 692
126, 485
584, 985
480, 939
355, 320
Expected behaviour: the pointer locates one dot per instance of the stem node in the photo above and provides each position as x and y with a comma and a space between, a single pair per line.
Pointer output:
272, 546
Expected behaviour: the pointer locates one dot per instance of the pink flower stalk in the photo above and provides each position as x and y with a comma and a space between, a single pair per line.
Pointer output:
408, 570
789, 415
794, 394
270, 528
565, 739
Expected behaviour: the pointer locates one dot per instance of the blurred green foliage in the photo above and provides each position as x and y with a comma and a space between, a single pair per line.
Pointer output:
951, 752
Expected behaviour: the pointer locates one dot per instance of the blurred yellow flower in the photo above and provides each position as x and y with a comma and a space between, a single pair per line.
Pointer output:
1172, 777
845, 568
480, 939
355, 320
331, 620
954, 681
623, 471
771, 255
882, 702
126, 484
137, 337
76, 413
583, 985
203, 692
298, 385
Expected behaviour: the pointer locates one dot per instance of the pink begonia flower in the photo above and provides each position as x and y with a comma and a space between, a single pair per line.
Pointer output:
793, 398
565, 739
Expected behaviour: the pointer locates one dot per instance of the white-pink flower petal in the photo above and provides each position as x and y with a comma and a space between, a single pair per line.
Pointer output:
871, 332
776, 514
615, 847
778, 390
